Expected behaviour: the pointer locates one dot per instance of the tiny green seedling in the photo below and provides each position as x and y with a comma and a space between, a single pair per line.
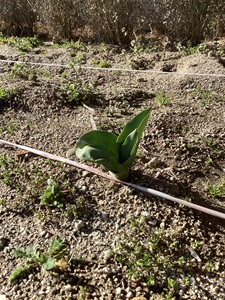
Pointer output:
6, 95
76, 89
53, 195
115, 153
163, 98
217, 190
101, 64
52, 260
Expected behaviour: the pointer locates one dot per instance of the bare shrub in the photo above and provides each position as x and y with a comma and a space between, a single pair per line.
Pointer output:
187, 20
60, 18
115, 21
17, 17
218, 25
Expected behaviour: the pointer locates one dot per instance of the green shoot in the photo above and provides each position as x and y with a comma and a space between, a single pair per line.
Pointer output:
163, 98
54, 259
217, 190
53, 194
115, 153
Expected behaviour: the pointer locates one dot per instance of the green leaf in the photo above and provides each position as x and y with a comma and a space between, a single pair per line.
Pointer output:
115, 153
35, 254
50, 264
20, 271
57, 247
96, 145
128, 146
139, 122
19, 253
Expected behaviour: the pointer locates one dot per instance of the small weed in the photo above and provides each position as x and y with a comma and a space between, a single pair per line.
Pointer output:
197, 244
210, 142
202, 93
148, 252
24, 44
172, 287
2, 202
10, 123
5, 166
54, 259
139, 64
73, 210
80, 59
101, 64
163, 98
138, 46
206, 104
27, 72
78, 45
7, 95
117, 72
20, 70
209, 266
185, 128
53, 195
217, 190
209, 161
82, 295
189, 49
76, 89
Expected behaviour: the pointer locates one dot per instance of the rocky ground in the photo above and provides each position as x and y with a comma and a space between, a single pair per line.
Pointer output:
119, 243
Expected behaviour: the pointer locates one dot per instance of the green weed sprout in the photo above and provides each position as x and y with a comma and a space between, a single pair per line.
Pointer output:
115, 153
52, 260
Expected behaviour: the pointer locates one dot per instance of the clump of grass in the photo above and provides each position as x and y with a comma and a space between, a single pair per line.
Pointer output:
217, 190
163, 98
202, 93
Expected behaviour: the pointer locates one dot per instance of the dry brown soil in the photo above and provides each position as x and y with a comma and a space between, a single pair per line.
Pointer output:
182, 153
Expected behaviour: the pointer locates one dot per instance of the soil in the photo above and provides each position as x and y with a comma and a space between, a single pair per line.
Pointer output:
182, 153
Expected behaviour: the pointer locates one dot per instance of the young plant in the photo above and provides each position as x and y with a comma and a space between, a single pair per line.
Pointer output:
101, 64
24, 44
53, 195
115, 153
52, 260
217, 190
76, 90
6, 95
20, 70
189, 49
163, 98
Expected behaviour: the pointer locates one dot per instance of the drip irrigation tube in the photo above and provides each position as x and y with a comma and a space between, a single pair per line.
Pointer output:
110, 177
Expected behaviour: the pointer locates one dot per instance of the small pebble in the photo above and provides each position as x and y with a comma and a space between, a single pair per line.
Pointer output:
118, 291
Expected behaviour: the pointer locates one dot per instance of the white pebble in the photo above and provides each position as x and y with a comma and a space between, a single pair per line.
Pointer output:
118, 291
